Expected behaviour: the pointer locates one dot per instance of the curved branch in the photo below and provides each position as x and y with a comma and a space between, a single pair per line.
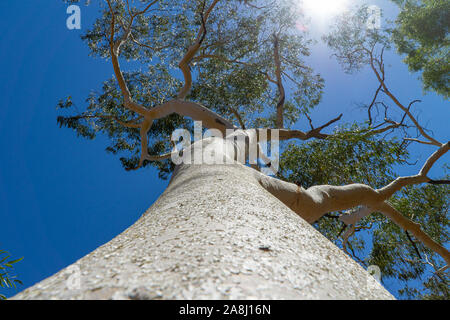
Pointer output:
381, 80
281, 92
287, 134
434, 157
414, 228
369, 108
238, 117
387, 191
114, 47
418, 141
413, 244
347, 234
145, 127
313, 203
193, 110
439, 182
192, 50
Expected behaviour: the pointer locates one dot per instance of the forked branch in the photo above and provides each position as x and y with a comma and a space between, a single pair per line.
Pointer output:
380, 75
315, 202
191, 52
114, 46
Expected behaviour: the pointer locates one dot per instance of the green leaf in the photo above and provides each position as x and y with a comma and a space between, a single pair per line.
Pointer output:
15, 261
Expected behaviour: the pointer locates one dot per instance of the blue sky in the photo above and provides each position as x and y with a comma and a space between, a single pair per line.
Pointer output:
63, 196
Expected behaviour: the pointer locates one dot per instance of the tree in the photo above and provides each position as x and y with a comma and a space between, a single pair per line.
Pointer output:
244, 61
421, 33
357, 47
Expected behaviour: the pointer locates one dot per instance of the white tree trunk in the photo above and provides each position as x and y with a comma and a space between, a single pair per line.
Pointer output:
214, 233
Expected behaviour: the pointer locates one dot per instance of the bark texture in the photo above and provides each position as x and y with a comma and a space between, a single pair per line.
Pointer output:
215, 233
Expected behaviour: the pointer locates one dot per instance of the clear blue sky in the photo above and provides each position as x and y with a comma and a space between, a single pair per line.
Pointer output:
63, 196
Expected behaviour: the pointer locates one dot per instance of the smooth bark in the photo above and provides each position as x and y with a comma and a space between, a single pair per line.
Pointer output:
215, 233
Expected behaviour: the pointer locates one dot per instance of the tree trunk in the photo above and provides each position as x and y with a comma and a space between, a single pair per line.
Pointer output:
214, 233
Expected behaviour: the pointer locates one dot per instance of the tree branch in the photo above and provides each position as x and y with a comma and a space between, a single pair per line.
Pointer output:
195, 111
114, 51
413, 244
238, 117
414, 228
281, 92
381, 80
418, 141
313, 203
192, 50
387, 191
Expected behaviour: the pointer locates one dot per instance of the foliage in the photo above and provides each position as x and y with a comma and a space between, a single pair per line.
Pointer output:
353, 156
388, 246
234, 33
233, 72
427, 205
421, 33
7, 278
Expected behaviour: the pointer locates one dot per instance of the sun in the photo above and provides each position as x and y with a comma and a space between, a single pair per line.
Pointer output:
324, 8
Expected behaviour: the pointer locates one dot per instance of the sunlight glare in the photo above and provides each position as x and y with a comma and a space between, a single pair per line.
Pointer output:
324, 8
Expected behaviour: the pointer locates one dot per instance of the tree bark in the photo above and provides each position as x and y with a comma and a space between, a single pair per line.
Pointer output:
215, 233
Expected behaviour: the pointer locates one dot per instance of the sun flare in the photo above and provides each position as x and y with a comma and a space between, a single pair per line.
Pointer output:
324, 8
